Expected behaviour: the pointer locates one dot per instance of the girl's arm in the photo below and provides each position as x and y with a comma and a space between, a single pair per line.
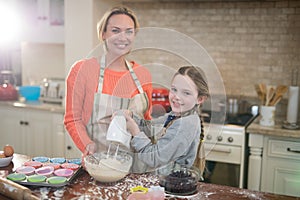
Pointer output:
174, 144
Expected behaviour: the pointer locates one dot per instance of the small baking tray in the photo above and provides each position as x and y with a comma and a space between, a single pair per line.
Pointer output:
46, 184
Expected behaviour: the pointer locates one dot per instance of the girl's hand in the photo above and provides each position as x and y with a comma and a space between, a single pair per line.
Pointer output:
132, 127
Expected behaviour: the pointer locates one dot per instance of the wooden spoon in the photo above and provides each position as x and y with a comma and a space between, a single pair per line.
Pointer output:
270, 94
259, 93
263, 90
279, 92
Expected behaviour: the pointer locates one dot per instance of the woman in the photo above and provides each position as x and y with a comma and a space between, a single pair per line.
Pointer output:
182, 134
98, 87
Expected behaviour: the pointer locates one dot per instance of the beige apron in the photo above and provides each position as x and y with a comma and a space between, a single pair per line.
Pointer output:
105, 105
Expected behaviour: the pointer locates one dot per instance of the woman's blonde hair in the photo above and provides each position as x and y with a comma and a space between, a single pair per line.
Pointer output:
102, 24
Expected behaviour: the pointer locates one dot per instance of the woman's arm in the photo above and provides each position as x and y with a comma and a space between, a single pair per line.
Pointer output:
79, 105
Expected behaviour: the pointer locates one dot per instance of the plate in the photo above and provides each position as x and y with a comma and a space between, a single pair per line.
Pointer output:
195, 194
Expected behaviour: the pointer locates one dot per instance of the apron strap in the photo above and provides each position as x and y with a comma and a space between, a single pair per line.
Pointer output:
133, 75
101, 75
135, 79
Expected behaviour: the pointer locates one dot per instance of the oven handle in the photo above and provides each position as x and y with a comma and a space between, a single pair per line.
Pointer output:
219, 149
292, 150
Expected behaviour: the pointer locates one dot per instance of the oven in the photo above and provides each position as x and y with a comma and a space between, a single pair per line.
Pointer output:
160, 101
225, 146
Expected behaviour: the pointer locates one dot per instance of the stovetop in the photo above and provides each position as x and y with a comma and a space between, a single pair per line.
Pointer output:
240, 119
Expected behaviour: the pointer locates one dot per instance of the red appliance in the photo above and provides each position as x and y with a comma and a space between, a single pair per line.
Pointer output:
8, 91
160, 101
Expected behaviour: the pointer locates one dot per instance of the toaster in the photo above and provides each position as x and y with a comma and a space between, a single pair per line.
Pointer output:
53, 90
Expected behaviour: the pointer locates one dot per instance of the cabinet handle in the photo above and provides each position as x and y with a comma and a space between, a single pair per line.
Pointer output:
24, 123
69, 147
294, 151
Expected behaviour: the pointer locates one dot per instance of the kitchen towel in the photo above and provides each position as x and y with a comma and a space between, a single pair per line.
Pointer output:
292, 110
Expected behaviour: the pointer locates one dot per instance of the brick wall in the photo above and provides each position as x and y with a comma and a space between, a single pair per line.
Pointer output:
250, 41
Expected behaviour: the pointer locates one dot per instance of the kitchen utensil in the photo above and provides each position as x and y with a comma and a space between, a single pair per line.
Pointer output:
52, 90
269, 94
15, 191
263, 89
259, 93
279, 92
117, 131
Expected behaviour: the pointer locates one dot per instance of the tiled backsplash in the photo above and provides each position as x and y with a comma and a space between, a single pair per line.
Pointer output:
250, 41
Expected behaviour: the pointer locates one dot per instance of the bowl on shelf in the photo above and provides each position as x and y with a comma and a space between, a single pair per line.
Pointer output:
30, 92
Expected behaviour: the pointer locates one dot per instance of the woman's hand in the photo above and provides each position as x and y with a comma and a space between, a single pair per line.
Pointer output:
90, 149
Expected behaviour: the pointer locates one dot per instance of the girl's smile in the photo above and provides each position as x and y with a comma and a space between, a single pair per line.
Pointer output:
183, 94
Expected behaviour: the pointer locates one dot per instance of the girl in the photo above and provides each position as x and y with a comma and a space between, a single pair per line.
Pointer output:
179, 140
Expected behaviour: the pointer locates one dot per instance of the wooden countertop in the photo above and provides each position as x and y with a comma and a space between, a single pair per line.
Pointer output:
84, 187
276, 130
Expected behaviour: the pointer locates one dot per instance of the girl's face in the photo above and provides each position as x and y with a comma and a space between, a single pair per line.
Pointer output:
183, 94
119, 34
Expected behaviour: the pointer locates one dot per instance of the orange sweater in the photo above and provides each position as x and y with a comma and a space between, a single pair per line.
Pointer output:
82, 84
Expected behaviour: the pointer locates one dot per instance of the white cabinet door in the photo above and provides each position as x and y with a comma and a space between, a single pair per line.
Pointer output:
281, 166
44, 20
58, 136
286, 179
11, 124
71, 151
32, 132
38, 133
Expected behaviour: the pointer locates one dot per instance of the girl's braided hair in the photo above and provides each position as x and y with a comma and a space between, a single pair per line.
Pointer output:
197, 76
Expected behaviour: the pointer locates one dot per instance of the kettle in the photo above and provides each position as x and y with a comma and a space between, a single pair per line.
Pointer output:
8, 90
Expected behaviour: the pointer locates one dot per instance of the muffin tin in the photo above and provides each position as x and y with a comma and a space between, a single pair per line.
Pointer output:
44, 171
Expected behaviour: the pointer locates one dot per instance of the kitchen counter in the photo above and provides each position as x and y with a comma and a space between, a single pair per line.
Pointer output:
35, 105
84, 187
276, 130
269, 152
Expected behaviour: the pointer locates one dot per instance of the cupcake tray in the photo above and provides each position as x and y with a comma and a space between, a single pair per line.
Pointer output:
45, 183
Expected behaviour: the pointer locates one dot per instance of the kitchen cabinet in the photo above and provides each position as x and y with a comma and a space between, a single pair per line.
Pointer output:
71, 151
44, 20
31, 131
281, 166
274, 160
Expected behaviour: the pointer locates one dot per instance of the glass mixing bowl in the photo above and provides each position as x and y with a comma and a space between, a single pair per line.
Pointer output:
107, 168
180, 180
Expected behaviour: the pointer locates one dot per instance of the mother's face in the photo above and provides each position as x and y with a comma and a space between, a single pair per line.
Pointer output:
119, 35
